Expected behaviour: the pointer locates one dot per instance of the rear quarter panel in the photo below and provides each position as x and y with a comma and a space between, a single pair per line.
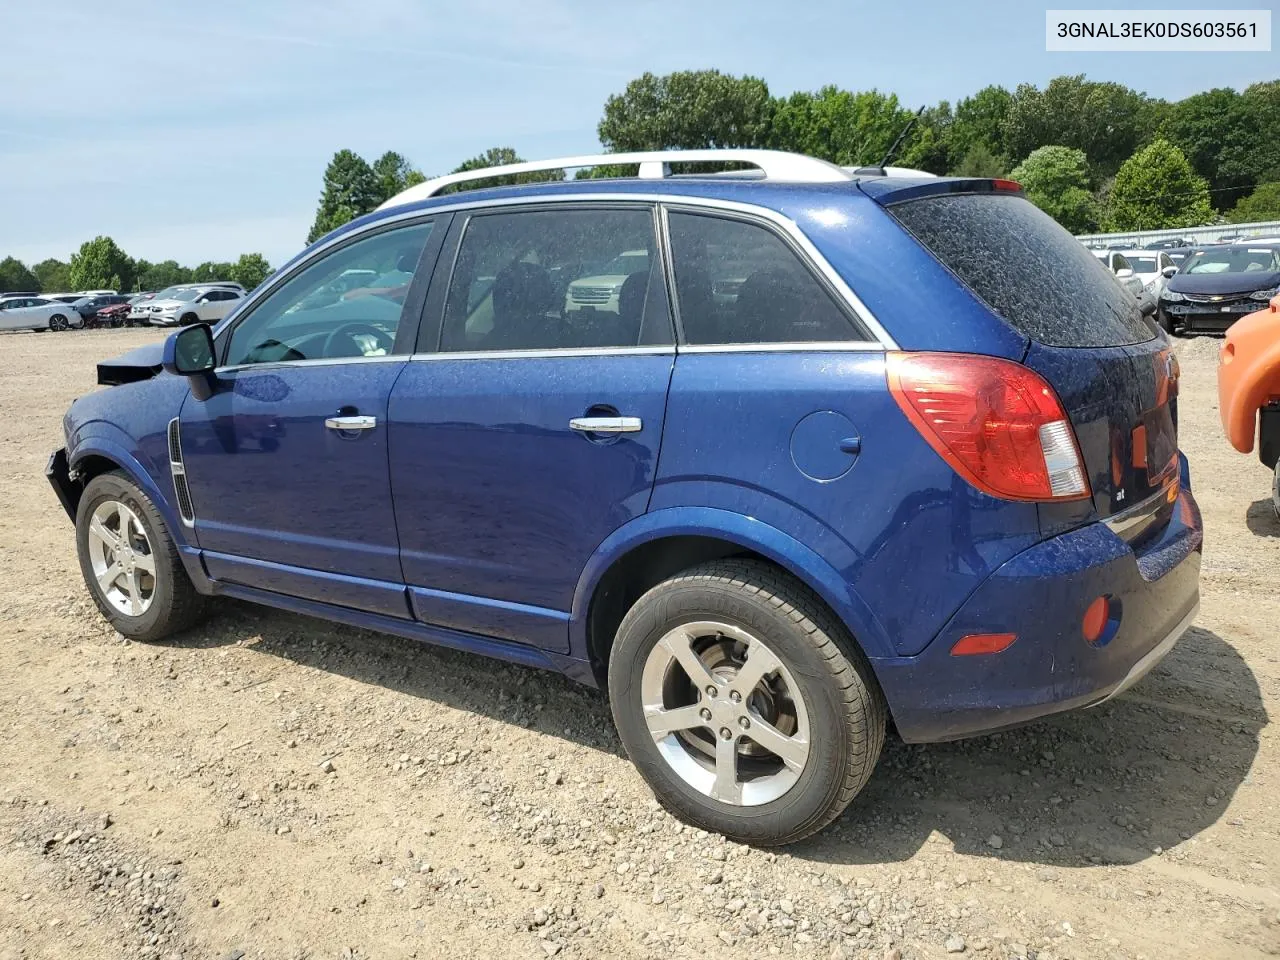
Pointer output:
909, 537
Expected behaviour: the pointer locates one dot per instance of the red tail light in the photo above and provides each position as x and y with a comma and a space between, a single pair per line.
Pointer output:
996, 422
1002, 184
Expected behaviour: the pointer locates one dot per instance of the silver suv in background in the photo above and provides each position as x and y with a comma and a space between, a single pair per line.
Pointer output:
140, 309
197, 303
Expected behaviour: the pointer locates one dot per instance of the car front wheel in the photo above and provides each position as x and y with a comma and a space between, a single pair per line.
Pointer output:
130, 562
744, 703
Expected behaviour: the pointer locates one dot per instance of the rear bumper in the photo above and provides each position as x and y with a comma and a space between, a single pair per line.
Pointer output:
1041, 595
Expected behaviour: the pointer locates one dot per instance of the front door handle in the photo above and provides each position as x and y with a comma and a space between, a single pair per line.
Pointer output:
606, 424
344, 424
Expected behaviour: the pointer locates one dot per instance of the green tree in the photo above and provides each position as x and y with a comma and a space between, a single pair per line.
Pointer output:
1056, 179
980, 119
979, 161
250, 270
351, 189
1105, 120
14, 275
394, 174
101, 264
1221, 138
687, 110
1157, 189
838, 125
157, 276
54, 275
212, 270
1262, 204
929, 145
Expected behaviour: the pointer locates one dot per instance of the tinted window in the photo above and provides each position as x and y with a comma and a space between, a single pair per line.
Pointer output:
739, 282
1027, 268
312, 316
549, 280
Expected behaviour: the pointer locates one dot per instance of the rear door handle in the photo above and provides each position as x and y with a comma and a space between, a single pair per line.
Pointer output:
606, 424
351, 423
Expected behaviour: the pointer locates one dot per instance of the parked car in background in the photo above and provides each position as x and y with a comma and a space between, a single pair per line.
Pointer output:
1179, 255
1218, 285
1149, 266
195, 304
1115, 260
63, 297
88, 307
37, 313
19, 293
1249, 388
113, 315
662, 508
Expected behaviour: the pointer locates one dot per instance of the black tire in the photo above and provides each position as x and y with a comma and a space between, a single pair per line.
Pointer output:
175, 605
58, 323
188, 319
846, 711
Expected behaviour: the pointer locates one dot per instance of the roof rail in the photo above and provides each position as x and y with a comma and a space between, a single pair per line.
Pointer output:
654, 165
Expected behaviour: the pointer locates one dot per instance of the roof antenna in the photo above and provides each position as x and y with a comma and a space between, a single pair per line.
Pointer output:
878, 170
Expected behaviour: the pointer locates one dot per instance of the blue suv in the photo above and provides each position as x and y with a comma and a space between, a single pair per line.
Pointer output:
777, 458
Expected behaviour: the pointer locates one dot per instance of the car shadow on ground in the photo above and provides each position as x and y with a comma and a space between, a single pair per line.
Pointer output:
1261, 518
1110, 785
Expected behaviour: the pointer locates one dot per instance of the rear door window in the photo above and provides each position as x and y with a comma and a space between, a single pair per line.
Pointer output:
1026, 268
574, 279
739, 282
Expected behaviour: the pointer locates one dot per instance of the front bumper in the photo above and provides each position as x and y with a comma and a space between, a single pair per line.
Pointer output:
159, 321
1041, 596
1207, 317
58, 474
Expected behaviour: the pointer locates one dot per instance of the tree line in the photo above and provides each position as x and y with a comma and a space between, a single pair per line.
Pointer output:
1094, 155
100, 264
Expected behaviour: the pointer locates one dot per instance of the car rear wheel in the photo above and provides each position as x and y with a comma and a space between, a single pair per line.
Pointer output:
130, 562
58, 322
743, 703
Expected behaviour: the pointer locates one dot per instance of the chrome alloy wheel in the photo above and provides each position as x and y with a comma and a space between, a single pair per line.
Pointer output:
725, 713
121, 556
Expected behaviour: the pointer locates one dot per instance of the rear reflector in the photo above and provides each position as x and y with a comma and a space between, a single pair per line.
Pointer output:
976, 644
1095, 619
995, 422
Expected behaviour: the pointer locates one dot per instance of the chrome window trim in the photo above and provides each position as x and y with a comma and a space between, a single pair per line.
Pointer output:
796, 346
666, 350
314, 362
883, 340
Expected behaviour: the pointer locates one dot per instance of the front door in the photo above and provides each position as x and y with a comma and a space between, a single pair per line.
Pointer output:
529, 429
287, 461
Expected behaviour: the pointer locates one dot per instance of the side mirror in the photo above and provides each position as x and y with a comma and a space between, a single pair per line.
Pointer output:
1169, 272
189, 353
1124, 273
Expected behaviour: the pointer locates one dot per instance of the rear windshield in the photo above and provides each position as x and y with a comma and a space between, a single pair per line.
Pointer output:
1027, 268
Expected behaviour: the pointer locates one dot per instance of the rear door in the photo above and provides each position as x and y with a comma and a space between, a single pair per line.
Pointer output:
527, 429
1116, 377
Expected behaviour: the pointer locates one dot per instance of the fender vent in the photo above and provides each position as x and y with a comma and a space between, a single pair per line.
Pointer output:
180, 489
175, 442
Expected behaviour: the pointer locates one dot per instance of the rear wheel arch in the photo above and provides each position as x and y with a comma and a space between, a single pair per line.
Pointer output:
654, 560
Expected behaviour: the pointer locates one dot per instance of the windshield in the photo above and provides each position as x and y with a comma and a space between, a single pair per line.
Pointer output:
185, 295
167, 293
1143, 264
1242, 260
627, 263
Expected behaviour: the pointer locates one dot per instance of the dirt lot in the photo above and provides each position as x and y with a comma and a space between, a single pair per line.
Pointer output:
170, 801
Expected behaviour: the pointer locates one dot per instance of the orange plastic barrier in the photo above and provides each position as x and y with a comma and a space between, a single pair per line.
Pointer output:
1249, 373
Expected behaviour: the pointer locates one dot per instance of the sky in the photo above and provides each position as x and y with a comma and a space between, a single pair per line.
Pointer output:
201, 131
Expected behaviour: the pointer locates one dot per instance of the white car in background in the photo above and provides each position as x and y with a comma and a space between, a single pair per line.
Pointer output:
1149, 266
201, 303
37, 313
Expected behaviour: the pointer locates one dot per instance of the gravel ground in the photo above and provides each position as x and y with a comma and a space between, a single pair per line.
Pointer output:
275, 786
